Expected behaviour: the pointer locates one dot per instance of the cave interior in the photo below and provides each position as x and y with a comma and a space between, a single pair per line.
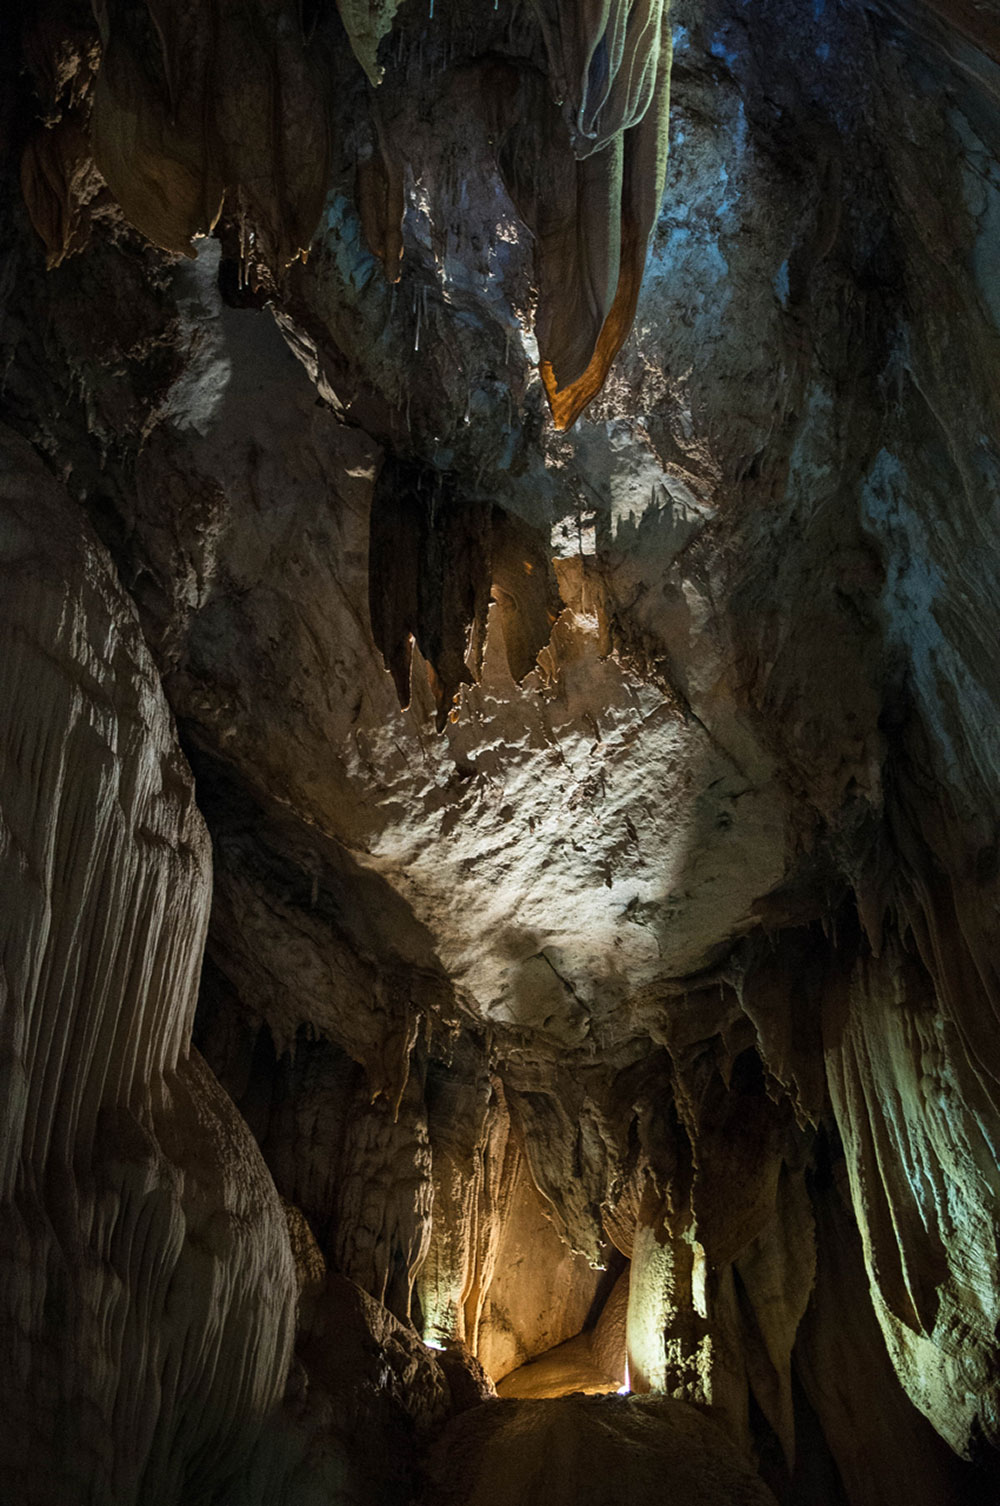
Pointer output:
500, 753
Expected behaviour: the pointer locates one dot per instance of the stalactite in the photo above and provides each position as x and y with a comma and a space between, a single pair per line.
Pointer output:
173, 132
604, 60
379, 190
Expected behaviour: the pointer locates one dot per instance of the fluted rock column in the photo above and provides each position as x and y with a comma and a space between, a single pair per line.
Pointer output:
146, 1281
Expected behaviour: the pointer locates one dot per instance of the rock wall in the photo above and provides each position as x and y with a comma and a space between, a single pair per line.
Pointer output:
148, 1299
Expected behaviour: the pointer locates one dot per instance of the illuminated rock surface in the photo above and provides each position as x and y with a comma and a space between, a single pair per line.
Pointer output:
533, 1453
498, 821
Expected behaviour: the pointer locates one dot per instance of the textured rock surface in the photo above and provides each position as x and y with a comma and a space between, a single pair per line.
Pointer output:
148, 1297
363, 1395
574, 1448
541, 1293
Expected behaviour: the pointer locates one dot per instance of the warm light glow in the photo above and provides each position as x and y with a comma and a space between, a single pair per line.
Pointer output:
626, 1389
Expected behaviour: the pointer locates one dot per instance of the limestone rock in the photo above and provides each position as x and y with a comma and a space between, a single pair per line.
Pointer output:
174, 131
135, 1202
540, 1294
572, 1448
885, 1452
468, 1382
364, 1398
602, 817
366, 23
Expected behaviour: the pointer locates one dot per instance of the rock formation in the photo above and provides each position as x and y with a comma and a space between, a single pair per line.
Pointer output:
498, 811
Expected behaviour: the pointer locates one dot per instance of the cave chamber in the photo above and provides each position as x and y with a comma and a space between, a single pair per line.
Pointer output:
500, 776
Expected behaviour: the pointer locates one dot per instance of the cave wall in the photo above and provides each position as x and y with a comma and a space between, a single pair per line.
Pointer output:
148, 1306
